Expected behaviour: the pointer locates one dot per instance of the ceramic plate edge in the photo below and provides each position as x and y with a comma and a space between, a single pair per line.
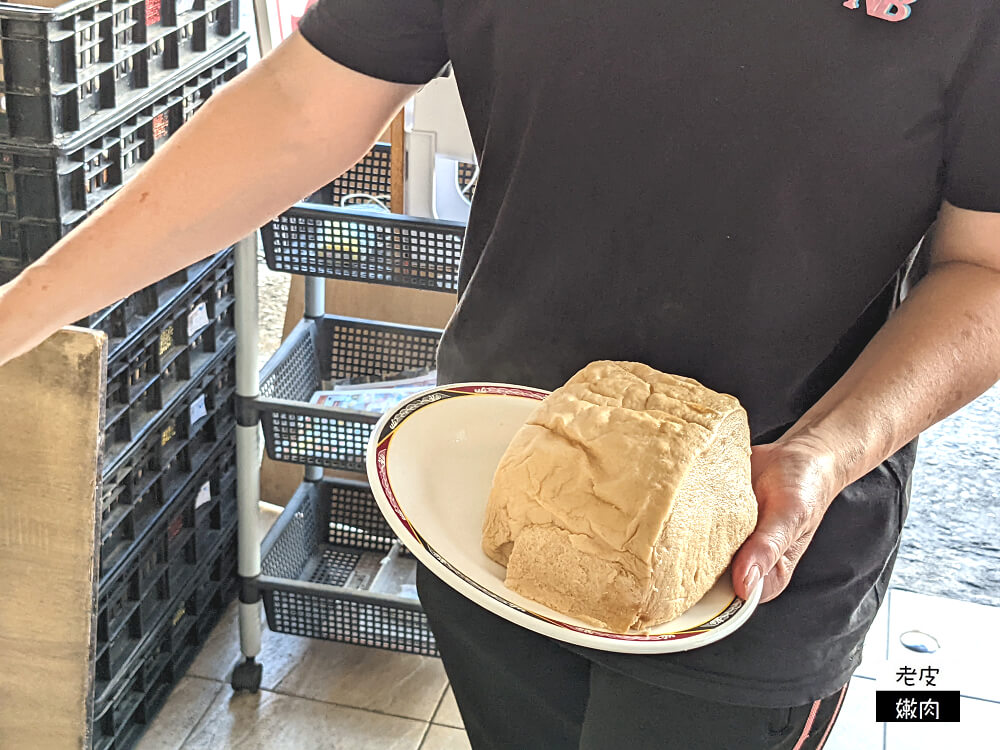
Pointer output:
509, 612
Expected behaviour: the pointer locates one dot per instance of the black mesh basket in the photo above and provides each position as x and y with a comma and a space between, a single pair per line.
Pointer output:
365, 245
332, 569
321, 351
467, 178
369, 178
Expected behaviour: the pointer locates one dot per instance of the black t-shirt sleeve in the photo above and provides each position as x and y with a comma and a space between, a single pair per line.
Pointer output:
395, 40
972, 149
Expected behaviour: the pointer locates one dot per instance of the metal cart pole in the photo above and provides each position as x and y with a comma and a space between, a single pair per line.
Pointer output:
315, 307
247, 674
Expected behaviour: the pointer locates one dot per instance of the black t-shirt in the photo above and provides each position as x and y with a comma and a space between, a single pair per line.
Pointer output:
726, 190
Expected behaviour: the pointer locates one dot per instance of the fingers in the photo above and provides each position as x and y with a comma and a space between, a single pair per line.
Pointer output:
776, 581
762, 549
760, 553
792, 493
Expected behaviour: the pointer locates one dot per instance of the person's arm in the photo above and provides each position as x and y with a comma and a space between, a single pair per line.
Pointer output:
274, 134
939, 351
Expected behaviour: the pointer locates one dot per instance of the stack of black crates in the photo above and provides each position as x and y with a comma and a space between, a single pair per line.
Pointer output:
90, 90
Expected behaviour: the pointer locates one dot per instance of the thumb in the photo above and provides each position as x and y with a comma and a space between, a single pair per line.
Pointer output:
761, 551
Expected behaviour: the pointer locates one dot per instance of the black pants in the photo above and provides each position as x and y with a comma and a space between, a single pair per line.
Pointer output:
518, 690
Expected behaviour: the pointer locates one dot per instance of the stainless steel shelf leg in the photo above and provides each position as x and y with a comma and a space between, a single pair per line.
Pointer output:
247, 674
315, 307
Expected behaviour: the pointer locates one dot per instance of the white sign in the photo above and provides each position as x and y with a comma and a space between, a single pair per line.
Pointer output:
197, 319
198, 409
204, 495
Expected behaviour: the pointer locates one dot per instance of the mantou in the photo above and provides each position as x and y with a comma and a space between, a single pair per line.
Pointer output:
624, 496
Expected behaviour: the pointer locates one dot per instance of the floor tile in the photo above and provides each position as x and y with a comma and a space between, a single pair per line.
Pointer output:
267, 721
874, 652
445, 738
856, 728
221, 651
976, 730
966, 632
188, 702
279, 652
447, 712
400, 684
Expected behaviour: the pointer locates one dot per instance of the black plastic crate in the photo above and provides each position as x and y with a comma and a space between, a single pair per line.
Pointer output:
115, 654
219, 588
135, 599
125, 318
130, 609
220, 585
122, 596
214, 503
149, 373
137, 492
119, 722
126, 706
46, 191
315, 354
64, 68
372, 176
365, 245
333, 570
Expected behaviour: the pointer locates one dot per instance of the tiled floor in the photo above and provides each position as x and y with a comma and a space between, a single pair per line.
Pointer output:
315, 694
968, 661
332, 696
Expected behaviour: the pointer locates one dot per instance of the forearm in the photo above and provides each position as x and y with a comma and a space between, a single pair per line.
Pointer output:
938, 352
254, 148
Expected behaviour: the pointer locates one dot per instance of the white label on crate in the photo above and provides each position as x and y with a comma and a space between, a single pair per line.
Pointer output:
183, 6
198, 409
197, 319
204, 495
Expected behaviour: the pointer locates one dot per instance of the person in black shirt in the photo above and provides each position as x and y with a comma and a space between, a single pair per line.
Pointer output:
728, 191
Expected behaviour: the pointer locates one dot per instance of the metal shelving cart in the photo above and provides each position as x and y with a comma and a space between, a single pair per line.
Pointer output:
330, 567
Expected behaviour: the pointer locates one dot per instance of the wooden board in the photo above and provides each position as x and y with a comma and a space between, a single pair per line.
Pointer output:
52, 403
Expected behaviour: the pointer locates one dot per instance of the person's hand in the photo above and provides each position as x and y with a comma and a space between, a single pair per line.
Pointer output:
795, 482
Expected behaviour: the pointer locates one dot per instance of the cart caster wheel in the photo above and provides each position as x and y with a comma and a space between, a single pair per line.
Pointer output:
247, 676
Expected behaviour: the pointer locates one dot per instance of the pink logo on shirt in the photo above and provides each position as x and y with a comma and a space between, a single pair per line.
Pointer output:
887, 10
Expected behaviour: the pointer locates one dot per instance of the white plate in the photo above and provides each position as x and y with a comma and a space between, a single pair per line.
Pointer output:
431, 462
